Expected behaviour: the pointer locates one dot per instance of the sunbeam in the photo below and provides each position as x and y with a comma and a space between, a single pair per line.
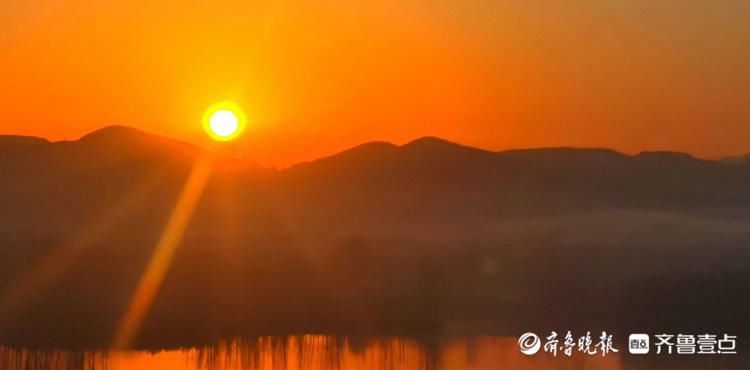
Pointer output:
35, 280
164, 252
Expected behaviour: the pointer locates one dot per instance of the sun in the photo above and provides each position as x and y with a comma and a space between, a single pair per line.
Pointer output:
223, 121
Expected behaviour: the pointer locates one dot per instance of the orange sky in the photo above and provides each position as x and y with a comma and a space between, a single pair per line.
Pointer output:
315, 77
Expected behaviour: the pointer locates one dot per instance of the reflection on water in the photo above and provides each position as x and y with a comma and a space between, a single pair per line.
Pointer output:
310, 352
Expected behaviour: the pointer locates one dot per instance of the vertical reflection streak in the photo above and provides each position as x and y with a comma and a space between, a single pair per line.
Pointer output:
320, 352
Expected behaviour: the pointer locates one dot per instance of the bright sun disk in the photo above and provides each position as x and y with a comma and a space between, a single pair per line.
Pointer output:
224, 121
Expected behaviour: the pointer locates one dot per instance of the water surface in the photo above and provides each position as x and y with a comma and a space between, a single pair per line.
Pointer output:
311, 352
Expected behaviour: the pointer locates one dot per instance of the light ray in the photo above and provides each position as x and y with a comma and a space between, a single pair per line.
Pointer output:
33, 282
163, 253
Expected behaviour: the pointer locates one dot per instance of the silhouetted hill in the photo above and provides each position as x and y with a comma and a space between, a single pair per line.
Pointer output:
430, 173
417, 239
129, 140
737, 161
10, 143
121, 135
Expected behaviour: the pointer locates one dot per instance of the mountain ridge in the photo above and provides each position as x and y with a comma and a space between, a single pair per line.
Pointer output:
381, 239
119, 135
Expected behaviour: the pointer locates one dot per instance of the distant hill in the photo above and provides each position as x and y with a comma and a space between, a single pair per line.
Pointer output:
441, 178
380, 238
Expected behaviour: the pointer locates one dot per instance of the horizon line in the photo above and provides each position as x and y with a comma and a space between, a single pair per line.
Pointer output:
407, 143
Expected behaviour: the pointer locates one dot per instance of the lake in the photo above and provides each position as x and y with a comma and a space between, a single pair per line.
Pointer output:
310, 352
322, 352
